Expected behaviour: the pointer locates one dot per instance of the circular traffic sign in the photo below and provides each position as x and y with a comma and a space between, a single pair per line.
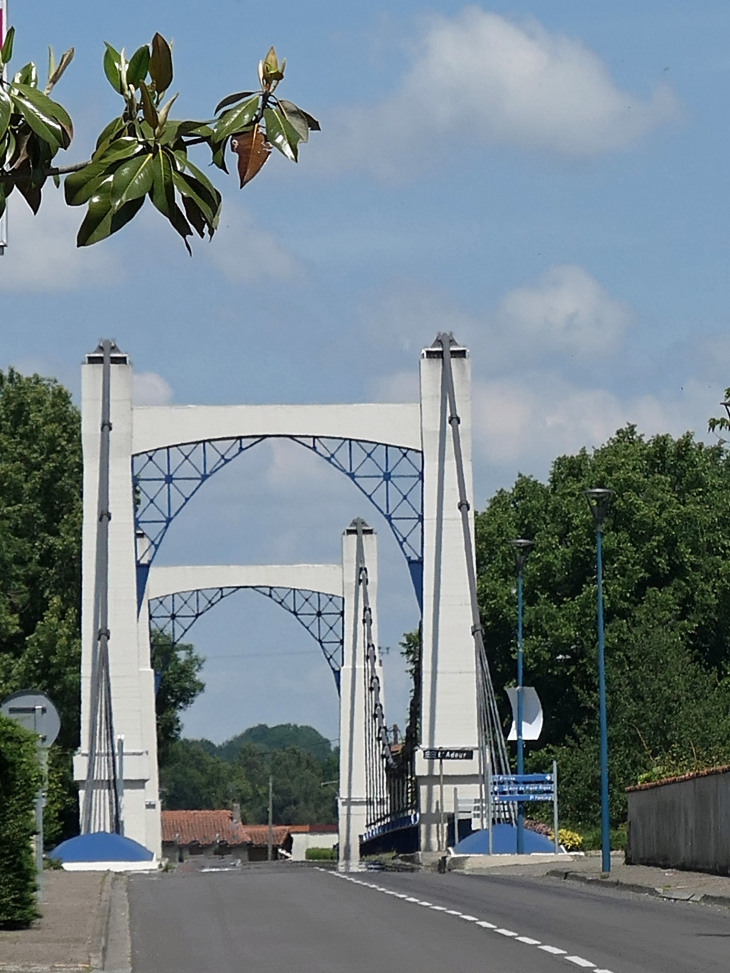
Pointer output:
33, 710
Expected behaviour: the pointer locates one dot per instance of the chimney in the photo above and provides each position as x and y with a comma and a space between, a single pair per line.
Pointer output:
236, 813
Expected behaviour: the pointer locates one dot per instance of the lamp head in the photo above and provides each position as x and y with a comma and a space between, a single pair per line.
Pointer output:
522, 548
598, 499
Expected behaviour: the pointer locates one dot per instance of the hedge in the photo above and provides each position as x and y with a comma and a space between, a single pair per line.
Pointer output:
320, 854
20, 778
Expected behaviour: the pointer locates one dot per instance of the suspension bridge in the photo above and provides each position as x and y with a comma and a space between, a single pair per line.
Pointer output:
412, 462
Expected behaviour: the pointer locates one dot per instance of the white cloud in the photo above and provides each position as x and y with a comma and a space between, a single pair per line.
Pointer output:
566, 310
42, 254
481, 78
149, 388
565, 313
525, 421
244, 252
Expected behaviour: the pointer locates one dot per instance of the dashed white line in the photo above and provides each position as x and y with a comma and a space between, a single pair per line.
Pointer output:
553, 950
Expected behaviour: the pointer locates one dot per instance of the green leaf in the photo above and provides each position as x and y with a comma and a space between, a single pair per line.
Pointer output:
163, 113
237, 119
107, 135
314, 125
48, 108
148, 109
79, 187
206, 187
6, 110
43, 124
27, 75
51, 62
132, 180
189, 187
112, 61
195, 216
218, 158
163, 190
138, 66
7, 49
231, 100
296, 118
121, 148
102, 220
160, 63
281, 134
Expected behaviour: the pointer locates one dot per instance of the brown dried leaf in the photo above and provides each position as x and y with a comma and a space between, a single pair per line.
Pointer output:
252, 150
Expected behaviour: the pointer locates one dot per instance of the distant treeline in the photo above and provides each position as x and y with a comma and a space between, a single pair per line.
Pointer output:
200, 775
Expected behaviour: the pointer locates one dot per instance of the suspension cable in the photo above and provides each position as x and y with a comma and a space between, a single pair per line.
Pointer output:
493, 746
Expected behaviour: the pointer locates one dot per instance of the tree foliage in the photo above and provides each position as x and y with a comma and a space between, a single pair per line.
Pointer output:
20, 778
143, 153
179, 686
197, 774
666, 543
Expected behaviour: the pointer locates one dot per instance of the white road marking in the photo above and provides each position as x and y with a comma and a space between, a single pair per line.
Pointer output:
553, 950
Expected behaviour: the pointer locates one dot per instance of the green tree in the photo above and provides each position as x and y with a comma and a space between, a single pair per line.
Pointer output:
179, 686
667, 608
193, 779
143, 152
20, 778
279, 737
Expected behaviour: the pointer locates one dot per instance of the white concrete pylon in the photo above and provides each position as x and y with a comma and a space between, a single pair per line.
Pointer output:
353, 797
449, 698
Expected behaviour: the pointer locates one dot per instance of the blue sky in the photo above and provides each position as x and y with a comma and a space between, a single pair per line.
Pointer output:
547, 180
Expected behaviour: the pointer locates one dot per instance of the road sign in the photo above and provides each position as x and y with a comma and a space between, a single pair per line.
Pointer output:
443, 754
33, 710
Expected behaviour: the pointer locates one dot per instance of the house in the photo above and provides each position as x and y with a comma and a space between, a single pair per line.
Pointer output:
306, 836
218, 833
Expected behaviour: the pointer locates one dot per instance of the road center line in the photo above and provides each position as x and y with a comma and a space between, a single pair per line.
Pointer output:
553, 950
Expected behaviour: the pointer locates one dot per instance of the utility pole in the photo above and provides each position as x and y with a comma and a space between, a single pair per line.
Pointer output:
270, 842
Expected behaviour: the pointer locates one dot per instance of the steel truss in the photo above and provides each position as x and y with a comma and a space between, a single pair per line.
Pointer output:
391, 477
320, 613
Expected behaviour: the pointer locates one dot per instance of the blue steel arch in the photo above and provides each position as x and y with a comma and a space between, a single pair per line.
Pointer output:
391, 477
320, 613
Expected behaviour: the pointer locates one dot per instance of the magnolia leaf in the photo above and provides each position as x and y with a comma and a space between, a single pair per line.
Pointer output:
138, 66
314, 125
252, 150
148, 109
189, 187
218, 157
31, 192
278, 132
296, 118
7, 49
160, 63
41, 123
108, 133
51, 63
132, 179
231, 100
121, 148
102, 219
162, 192
48, 108
112, 61
79, 187
27, 75
163, 113
195, 217
55, 76
6, 110
236, 119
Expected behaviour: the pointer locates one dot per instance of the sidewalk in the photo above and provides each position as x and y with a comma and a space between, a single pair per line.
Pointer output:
73, 932
662, 882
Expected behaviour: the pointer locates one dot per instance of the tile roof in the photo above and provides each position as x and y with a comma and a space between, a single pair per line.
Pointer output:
693, 775
208, 827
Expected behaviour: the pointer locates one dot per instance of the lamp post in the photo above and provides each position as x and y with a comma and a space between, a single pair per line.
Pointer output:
598, 500
521, 548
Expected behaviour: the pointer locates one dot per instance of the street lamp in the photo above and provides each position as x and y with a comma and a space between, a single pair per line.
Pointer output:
521, 549
598, 500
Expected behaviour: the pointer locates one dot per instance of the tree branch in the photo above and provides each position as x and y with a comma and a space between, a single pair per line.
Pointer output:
53, 171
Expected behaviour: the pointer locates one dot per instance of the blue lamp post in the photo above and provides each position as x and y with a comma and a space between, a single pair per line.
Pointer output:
598, 500
521, 548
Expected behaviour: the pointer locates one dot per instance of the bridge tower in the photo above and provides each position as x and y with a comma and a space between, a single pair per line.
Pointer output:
401, 456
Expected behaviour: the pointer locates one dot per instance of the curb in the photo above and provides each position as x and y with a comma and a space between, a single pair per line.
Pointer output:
97, 947
667, 894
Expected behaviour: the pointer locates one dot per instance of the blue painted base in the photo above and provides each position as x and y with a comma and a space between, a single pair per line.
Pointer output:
100, 847
504, 842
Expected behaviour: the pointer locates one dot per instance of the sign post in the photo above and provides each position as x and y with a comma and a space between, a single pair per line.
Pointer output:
441, 754
34, 711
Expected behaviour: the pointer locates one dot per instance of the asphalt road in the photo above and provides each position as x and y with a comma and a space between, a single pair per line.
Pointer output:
288, 919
